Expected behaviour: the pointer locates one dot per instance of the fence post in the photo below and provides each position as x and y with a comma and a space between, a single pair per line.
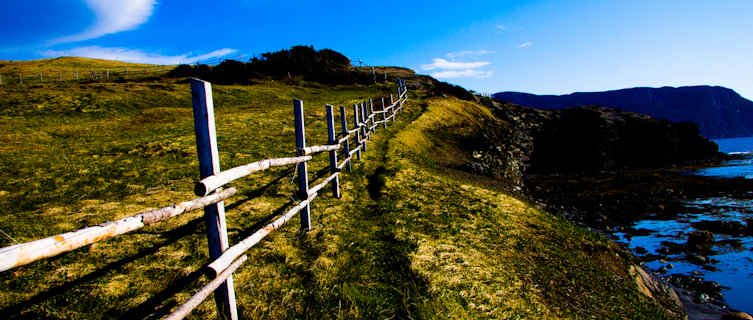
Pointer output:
371, 114
41, 78
21, 78
60, 76
358, 131
400, 92
392, 101
344, 126
303, 176
108, 75
76, 75
384, 115
392, 110
209, 164
365, 121
1, 79
332, 139
362, 126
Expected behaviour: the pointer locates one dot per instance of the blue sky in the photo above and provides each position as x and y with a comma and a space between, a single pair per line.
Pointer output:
545, 47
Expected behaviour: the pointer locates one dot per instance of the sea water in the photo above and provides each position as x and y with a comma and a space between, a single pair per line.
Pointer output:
733, 264
735, 168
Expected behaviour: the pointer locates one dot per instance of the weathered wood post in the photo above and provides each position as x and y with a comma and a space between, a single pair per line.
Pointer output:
373, 115
365, 113
384, 115
357, 127
346, 146
41, 78
60, 76
209, 164
392, 109
76, 75
1, 79
392, 100
332, 139
303, 172
362, 126
21, 78
108, 75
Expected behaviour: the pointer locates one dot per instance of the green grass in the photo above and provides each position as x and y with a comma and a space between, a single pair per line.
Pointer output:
410, 237
65, 68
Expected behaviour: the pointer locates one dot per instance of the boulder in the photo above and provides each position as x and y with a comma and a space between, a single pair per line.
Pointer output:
700, 241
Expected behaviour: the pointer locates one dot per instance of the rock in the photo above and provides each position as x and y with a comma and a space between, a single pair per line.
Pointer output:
700, 241
737, 315
734, 228
697, 259
640, 250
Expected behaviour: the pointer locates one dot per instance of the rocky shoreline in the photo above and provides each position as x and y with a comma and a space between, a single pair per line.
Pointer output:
604, 169
610, 202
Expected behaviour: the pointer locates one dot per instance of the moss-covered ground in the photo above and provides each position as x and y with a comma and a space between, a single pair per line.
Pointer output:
410, 238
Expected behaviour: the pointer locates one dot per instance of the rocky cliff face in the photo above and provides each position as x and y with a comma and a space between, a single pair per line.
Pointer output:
585, 139
719, 112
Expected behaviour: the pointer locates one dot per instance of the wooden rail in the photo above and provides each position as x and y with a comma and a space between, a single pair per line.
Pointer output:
226, 259
213, 182
25, 253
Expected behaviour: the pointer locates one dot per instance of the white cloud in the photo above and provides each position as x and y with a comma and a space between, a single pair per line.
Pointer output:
468, 73
501, 27
440, 63
525, 44
112, 16
453, 55
134, 55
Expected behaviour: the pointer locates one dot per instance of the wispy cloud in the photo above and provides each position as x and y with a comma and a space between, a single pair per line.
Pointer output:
525, 44
501, 27
134, 55
440, 63
468, 73
453, 55
112, 16
456, 69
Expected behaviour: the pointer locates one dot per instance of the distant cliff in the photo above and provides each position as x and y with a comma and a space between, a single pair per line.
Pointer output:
719, 112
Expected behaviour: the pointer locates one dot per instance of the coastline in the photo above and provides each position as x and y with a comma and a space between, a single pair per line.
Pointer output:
609, 201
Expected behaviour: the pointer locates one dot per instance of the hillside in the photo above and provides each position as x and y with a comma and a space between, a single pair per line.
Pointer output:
719, 112
75, 68
412, 237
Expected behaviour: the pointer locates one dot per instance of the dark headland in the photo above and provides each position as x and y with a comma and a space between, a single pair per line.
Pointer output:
719, 112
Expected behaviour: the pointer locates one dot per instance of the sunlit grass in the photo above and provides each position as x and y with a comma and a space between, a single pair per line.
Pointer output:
410, 237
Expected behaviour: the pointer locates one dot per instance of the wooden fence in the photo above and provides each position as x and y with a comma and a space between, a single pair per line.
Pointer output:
225, 259
99, 75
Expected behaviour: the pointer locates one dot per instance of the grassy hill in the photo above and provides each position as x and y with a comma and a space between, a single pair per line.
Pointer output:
65, 64
68, 68
411, 237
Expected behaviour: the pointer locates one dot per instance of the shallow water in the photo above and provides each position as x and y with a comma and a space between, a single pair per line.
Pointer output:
731, 264
734, 264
